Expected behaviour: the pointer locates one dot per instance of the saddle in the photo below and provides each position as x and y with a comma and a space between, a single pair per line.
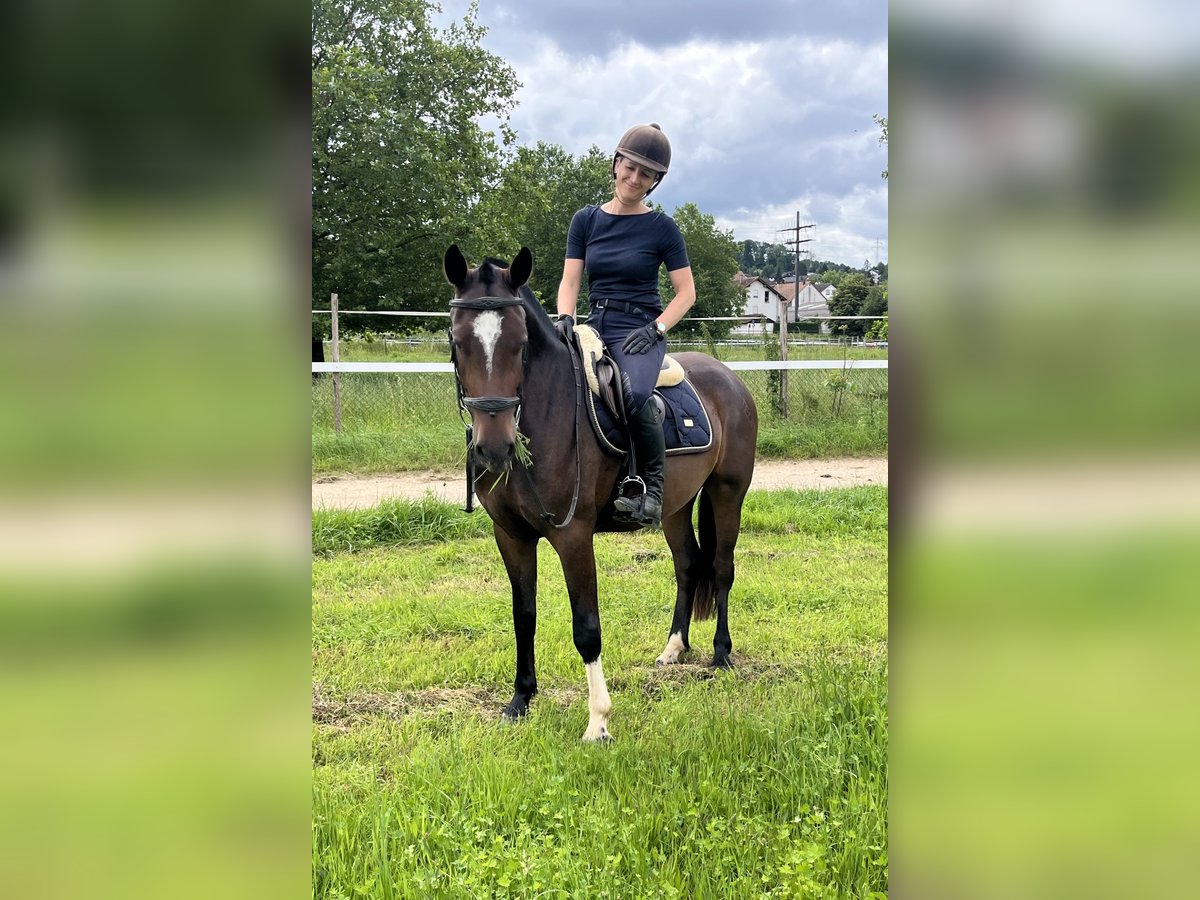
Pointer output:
677, 405
603, 376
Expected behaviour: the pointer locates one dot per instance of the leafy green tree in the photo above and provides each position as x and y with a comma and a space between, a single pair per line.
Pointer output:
849, 300
539, 191
876, 303
714, 257
779, 259
751, 258
773, 260
398, 156
831, 276
882, 122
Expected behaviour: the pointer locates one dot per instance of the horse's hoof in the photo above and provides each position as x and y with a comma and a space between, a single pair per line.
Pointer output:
676, 645
721, 662
603, 739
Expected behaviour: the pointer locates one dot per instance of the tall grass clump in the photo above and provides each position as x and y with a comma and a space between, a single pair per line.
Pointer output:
393, 523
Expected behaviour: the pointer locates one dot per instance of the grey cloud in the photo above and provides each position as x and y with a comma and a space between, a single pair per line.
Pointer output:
597, 28
786, 125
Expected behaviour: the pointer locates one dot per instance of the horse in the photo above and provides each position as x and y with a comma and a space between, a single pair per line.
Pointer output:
522, 385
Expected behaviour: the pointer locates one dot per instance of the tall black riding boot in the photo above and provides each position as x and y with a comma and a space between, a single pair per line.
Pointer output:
647, 434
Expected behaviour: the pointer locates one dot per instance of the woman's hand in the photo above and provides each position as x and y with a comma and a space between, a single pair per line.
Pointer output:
642, 339
566, 328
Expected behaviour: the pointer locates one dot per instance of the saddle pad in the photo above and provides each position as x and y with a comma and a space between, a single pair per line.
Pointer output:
686, 426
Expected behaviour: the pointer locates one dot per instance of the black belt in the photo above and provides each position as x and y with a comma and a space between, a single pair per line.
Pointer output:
626, 307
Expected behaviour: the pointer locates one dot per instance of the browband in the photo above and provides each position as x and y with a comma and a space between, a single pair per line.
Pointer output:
486, 302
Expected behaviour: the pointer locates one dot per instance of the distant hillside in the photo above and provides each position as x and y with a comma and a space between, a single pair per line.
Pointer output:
777, 263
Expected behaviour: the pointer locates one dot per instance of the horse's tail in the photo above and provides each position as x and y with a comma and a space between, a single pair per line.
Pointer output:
706, 576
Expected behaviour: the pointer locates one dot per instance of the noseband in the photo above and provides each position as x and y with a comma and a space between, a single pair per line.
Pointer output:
489, 405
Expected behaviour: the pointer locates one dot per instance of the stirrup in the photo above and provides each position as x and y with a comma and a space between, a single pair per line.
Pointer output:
629, 507
635, 496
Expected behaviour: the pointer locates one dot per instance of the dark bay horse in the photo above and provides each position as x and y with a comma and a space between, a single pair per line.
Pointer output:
522, 387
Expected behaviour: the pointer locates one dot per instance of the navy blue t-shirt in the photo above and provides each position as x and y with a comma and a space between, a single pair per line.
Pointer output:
622, 254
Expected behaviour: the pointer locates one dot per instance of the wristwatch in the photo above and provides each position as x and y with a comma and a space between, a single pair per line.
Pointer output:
662, 329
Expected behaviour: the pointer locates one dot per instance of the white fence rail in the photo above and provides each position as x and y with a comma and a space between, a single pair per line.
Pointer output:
744, 366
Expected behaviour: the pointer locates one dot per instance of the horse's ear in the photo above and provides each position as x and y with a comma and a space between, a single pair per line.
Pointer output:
521, 268
455, 266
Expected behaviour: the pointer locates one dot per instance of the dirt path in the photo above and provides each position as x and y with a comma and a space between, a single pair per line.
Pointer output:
769, 474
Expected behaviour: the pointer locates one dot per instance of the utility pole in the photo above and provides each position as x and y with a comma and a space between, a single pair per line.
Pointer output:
783, 347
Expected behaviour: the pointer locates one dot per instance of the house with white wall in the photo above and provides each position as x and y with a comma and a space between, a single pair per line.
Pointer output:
763, 299
762, 304
813, 300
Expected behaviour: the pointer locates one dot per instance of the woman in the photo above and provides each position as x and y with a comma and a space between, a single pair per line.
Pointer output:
621, 244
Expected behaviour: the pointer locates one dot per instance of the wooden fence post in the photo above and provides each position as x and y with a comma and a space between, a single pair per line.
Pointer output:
783, 351
337, 376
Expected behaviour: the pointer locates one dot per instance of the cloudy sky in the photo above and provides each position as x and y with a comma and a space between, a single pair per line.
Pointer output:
767, 104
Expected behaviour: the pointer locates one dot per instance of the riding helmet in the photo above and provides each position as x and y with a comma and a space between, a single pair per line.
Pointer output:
647, 146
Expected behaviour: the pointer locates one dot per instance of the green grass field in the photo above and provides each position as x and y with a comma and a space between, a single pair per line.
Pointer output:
769, 780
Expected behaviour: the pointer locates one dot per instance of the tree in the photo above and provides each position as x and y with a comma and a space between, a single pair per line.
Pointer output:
831, 276
779, 259
539, 191
849, 300
751, 258
714, 257
882, 122
876, 303
398, 156
773, 260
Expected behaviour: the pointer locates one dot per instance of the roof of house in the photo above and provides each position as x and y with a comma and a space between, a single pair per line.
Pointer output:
745, 280
787, 289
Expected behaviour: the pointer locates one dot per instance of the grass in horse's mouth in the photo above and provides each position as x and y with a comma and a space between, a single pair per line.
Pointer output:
520, 453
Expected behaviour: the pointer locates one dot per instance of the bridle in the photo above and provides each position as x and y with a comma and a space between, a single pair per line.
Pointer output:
493, 405
489, 405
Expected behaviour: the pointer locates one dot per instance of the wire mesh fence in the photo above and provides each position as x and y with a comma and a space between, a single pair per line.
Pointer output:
403, 402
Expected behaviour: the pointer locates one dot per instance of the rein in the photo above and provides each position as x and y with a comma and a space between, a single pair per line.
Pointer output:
493, 405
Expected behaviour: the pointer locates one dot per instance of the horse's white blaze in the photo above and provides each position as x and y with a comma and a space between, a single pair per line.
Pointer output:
487, 329
599, 706
671, 652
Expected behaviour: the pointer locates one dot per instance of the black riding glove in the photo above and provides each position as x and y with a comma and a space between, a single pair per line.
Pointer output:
566, 328
641, 340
